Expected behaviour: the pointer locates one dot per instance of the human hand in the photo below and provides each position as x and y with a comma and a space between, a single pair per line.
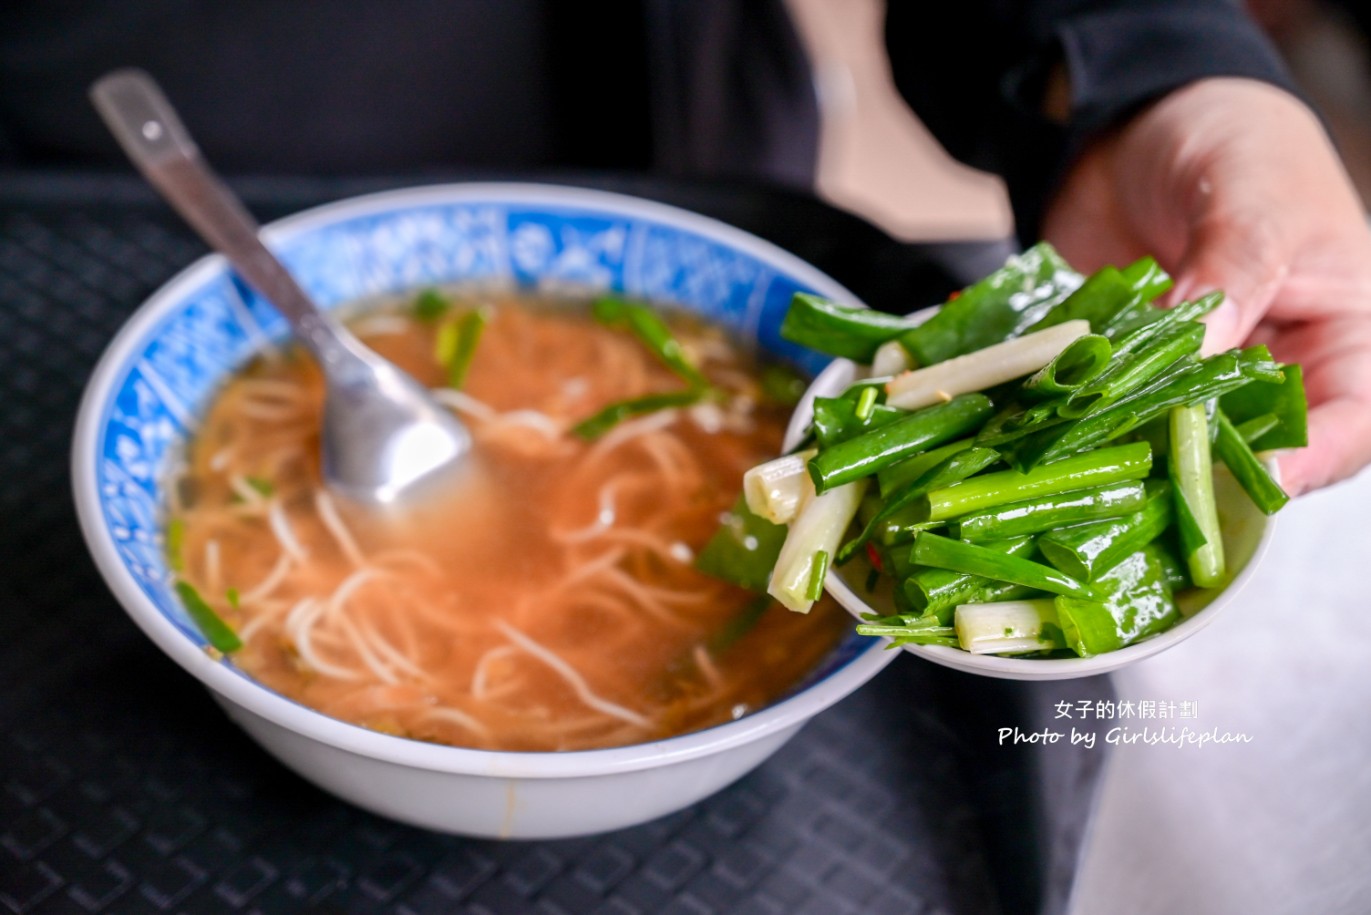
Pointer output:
1232, 184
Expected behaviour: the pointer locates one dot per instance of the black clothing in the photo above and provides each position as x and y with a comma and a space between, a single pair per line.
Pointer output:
715, 88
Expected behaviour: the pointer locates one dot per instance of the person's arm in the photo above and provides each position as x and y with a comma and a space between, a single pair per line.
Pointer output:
981, 75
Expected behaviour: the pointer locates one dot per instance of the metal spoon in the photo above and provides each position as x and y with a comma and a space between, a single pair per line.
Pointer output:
384, 437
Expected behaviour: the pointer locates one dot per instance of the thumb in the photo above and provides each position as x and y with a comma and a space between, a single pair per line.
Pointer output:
1244, 259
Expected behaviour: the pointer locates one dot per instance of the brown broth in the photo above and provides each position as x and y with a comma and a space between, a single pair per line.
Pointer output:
460, 626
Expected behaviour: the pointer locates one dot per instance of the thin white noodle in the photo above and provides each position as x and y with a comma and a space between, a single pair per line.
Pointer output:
212, 567
245, 490
302, 638
481, 675
573, 678
359, 644
397, 658
604, 518
329, 515
464, 403
447, 713
586, 570
380, 325
532, 419
267, 412
270, 583
280, 526
271, 389
343, 593
627, 431
262, 617
707, 667
221, 458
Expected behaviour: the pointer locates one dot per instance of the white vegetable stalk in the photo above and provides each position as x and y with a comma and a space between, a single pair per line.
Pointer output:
775, 490
1009, 626
983, 368
891, 359
818, 528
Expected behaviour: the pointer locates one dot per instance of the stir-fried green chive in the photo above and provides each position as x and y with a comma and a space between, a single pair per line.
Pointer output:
1033, 516
1247, 469
1095, 468
214, 629
1192, 476
1086, 551
1066, 550
955, 555
867, 453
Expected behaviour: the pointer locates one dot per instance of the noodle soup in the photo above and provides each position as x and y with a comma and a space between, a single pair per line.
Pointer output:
550, 605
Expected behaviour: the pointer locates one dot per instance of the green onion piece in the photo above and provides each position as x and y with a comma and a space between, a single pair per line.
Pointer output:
839, 330
1134, 370
743, 550
1185, 384
1257, 426
231, 595
1009, 627
818, 570
937, 592
1094, 468
597, 425
1286, 401
905, 635
1192, 476
867, 453
214, 629
1136, 603
899, 476
1087, 551
1083, 359
175, 544
468, 329
836, 419
945, 553
649, 327
261, 485
1033, 516
1250, 472
957, 466
1003, 305
430, 305
865, 402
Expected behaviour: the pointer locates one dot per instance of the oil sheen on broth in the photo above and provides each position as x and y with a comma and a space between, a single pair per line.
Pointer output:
552, 604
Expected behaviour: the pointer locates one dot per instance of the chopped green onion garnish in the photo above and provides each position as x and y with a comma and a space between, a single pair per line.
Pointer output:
468, 333
615, 413
176, 538
215, 630
261, 485
865, 402
231, 595
430, 305
817, 570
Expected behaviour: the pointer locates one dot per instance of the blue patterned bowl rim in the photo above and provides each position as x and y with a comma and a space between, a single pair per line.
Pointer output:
158, 370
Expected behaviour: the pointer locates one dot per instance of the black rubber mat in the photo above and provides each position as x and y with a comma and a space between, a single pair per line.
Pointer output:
124, 789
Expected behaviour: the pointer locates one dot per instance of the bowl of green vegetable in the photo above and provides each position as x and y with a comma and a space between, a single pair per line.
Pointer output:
1041, 479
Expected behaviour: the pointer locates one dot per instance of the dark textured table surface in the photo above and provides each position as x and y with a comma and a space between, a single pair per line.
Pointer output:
124, 789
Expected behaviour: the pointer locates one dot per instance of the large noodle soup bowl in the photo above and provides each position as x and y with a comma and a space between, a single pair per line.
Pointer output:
174, 353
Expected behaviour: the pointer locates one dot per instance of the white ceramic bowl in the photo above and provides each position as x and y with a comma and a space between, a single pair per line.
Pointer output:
175, 350
1246, 535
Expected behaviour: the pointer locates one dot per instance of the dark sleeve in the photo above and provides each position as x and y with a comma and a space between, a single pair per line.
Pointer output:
976, 74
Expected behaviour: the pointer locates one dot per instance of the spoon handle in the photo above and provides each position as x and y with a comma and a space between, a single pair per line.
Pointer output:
149, 130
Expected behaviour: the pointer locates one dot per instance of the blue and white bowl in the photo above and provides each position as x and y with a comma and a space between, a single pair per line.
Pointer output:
160, 371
